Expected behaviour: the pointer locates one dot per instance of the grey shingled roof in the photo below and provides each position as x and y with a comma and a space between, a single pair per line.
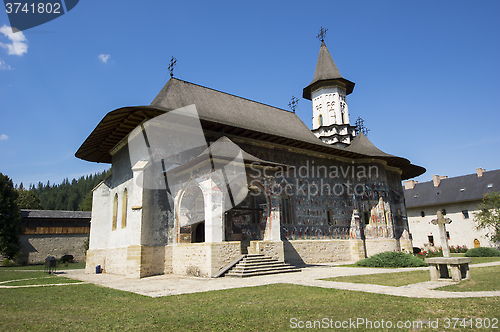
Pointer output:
224, 108
221, 152
326, 71
217, 109
55, 214
449, 190
362, 144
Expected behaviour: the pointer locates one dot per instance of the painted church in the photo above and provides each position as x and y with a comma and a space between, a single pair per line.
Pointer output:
201, 178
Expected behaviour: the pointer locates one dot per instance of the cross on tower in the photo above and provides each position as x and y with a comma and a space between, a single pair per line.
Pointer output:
360, 126
321, 35
293, 103
173, 61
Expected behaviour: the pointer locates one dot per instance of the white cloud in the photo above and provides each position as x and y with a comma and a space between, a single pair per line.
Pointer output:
19, 43
104, 57
4, 137
4, 66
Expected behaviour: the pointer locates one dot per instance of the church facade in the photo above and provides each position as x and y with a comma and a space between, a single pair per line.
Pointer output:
232, 176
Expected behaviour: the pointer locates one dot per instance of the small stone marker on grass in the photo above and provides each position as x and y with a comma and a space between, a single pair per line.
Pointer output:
438, 266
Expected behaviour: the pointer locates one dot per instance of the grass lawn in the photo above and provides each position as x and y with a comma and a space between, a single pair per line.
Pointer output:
266, 308
87, 307
395, 279
60, 266
482, 279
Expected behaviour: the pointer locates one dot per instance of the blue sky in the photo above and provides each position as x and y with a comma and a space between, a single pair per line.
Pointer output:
426, 73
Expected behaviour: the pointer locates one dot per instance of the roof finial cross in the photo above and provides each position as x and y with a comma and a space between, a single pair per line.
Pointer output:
360, 126
321, 35
293, 103
173, 61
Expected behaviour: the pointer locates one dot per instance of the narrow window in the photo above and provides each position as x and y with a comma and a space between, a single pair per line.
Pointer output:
422, 214
115, 212
366, 217
447, 235
431, 240
465, 213
320, 120
330, 217
124, 208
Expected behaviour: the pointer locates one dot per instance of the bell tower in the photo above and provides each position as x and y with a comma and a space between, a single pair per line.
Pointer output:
328, 91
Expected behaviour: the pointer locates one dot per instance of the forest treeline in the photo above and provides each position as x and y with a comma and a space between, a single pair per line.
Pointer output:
74, 195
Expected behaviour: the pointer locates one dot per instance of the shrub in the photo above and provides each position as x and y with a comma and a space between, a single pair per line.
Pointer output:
430, 253
67, 259
392, 259
7, 262
458, 249
482, 252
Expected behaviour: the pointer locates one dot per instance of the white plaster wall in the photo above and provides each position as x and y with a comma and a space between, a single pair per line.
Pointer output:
101, 234
322, 100
131, 234
462, 231
102, 215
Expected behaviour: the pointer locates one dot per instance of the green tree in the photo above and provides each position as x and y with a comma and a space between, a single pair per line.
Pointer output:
28, 200
488, 217
10, 218
86, 204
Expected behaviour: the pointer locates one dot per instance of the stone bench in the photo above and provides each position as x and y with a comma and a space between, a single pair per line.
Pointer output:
459, 266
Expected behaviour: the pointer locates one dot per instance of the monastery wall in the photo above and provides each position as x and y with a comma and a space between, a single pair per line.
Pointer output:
37, 247
462, 230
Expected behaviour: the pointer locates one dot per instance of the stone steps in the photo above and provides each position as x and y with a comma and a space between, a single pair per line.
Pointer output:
256, 265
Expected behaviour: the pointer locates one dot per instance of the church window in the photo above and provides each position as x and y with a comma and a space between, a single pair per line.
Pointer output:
124, 208
431, 240
366, 217
115, 212
447, 235
330, 217
465, 213
320, 120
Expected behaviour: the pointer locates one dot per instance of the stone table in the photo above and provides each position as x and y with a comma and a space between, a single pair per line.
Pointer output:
438, 266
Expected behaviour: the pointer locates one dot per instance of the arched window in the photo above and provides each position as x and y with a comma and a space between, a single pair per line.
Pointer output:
115, 212
320, 120
124, 208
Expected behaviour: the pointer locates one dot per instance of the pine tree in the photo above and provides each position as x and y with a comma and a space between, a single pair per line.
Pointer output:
10, 218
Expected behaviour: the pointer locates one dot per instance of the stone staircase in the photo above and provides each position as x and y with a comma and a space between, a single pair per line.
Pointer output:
258, 265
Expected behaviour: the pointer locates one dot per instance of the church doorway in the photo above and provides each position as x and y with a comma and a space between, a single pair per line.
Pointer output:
191, 217
477, 244
247, 221
198, 235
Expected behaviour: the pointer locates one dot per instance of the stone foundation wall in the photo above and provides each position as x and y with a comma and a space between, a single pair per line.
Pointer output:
203, 259
357, 250
375, 246
94, 257
222, 253
302, 252
274, 249
37, 247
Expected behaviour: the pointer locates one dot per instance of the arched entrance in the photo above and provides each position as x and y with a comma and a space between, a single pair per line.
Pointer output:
191, 217
477, 244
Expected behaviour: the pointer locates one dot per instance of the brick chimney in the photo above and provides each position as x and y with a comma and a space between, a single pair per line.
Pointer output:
410, 184
437, 180
480, 172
